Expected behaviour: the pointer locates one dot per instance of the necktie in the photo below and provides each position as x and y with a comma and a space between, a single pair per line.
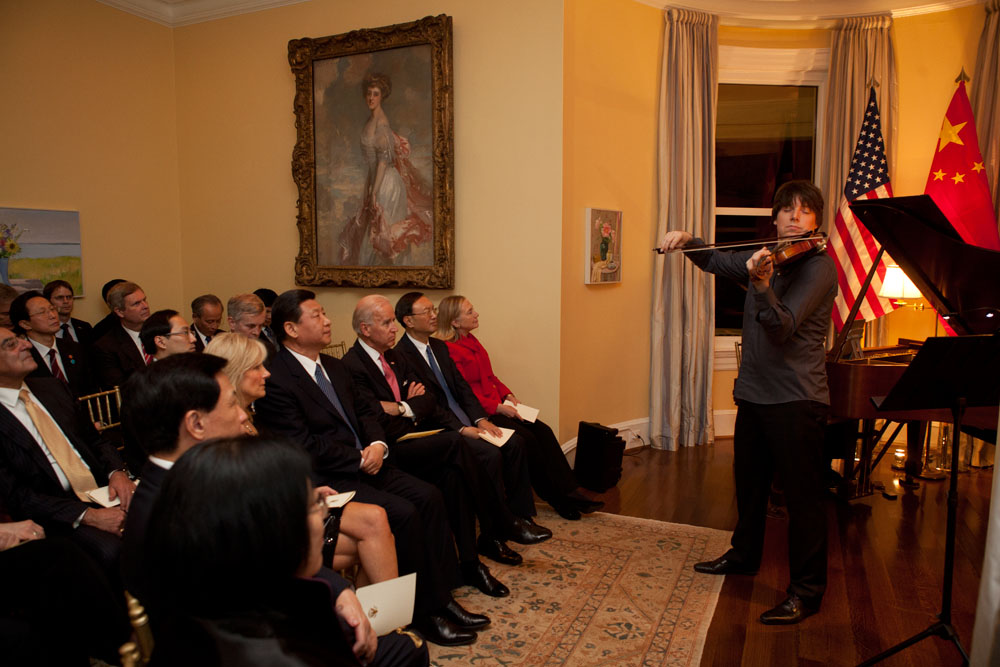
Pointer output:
64, 330
80, 478
452, 403
390, 377
145, 357
327, 388
54, 366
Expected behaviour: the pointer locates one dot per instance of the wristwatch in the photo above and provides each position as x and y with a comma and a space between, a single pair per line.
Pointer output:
402, 410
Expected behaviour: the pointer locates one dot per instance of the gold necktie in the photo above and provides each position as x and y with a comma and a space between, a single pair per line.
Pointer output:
80, 478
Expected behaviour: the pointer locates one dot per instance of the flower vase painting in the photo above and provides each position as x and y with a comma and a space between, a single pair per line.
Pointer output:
604, 247
38, 246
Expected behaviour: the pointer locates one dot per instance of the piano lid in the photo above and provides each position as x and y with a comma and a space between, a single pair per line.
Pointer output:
959, 280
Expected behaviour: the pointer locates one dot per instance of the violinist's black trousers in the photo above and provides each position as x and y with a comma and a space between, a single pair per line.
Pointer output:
783, 440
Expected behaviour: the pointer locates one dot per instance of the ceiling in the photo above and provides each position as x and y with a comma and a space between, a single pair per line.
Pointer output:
762, 13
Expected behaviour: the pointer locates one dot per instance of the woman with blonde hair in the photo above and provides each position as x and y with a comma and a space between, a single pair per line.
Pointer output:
551, 475
365, 536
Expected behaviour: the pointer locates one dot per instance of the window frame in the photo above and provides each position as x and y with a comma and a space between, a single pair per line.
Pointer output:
777, 67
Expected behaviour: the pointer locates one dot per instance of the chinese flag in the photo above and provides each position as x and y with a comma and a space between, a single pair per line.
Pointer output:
957, 182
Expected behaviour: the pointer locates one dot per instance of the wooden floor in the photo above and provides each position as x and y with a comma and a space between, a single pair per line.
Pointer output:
886, 560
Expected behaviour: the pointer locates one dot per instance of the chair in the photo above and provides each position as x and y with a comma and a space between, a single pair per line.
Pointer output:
139, 652
337, 350
104, 408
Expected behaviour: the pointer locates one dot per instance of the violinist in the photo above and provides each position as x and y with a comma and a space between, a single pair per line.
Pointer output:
781, 396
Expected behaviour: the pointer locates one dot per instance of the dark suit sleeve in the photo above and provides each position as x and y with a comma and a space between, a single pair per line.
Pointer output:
283, 412
18, 490
107, 369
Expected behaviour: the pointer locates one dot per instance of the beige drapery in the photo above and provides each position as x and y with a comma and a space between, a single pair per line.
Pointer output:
861, 54
683, 326
986, 99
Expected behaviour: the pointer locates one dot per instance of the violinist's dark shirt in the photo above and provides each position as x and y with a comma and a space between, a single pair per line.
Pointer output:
784, 327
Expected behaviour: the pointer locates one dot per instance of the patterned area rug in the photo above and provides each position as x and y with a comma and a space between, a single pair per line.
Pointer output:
606, 590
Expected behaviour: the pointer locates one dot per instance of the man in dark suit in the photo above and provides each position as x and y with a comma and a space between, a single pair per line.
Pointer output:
267, 297
106, 323
382, 377
461, 408
65, 360
311, 400
206, 316
246, 315
119, 353
60, 294
51, 455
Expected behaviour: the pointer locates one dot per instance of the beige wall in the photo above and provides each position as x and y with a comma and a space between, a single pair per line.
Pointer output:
235, 130
88, 123
610, 75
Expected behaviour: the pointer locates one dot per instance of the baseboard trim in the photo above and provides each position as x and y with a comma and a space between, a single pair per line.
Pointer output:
634, 431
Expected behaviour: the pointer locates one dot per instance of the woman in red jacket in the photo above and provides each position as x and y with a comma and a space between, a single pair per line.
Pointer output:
551, 476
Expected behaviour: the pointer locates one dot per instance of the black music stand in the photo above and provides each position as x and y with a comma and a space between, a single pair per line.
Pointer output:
954, 374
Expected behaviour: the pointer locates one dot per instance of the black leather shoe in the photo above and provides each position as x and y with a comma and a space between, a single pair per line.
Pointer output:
497, 550
463, 618
526, 531
443, 632
478, 575
793, 610
723, 565
583, 503
567, 510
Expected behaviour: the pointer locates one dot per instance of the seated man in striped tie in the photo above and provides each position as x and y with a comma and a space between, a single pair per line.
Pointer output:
51, 456
119, 353
781, 396
35, 317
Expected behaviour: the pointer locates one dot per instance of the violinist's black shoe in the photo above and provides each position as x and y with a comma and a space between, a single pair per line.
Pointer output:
724, 565
793, 610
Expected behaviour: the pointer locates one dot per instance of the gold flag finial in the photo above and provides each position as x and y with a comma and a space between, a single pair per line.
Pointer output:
963, 77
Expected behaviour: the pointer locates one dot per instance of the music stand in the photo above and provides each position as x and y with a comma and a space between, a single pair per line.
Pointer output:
950, 373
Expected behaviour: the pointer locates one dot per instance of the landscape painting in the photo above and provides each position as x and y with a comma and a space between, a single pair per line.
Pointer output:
38, 246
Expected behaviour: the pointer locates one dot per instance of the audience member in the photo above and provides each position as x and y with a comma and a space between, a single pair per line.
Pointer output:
267, 296
234, 543
206, 316
119, 352
7, 294
51, 456
60, 293
312, 401
165, 333
65, 360
430, 360
381, 376
110, 320
246, 315
551, 475
364, 528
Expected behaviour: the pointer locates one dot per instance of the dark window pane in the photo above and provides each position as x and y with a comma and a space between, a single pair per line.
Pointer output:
730, 295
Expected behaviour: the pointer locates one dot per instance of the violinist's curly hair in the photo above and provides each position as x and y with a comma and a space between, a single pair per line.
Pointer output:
805, 192
376, 80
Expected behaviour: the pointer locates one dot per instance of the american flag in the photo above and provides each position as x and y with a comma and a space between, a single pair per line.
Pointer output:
851, 245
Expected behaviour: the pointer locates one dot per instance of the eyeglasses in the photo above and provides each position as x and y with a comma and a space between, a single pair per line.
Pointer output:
186, 331
12, 343
44, 311
432, 309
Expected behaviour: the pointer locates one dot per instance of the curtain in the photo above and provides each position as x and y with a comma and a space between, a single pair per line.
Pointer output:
683, 320
861, 56
985, 101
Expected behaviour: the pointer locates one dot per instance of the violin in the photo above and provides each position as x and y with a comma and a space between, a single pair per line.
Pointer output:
787, 253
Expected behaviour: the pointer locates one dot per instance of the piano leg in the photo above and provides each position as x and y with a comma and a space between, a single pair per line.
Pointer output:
916, 432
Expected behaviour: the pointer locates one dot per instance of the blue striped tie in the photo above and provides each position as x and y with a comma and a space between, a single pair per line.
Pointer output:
327, 388
452, 403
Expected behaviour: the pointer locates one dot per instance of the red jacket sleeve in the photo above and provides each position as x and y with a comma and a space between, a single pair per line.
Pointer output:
474, 364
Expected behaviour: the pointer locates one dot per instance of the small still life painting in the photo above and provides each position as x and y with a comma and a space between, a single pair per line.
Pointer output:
604, 244
38, 246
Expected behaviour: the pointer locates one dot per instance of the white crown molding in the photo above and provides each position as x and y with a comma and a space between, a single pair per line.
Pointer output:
805, 14
177, 13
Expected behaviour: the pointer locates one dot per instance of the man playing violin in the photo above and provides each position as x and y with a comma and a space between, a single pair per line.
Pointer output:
781, 396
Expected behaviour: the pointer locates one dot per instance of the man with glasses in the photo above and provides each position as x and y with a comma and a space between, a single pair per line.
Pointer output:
60, 293
166, 333
34, 316
51, 457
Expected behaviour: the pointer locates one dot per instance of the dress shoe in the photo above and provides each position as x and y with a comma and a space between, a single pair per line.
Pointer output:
723, 565
441, 631
463, 618
497, 550
793, 610
567, 510
583, 503
526, 531
478, 575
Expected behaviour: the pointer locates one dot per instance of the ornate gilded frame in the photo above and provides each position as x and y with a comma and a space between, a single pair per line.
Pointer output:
303, 55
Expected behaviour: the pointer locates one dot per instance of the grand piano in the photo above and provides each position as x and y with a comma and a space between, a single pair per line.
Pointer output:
961, 281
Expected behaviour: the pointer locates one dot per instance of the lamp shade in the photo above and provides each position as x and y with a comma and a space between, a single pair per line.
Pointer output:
896, 285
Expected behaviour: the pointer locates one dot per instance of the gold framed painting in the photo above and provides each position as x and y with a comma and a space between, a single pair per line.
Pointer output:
603, 263
374, 156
